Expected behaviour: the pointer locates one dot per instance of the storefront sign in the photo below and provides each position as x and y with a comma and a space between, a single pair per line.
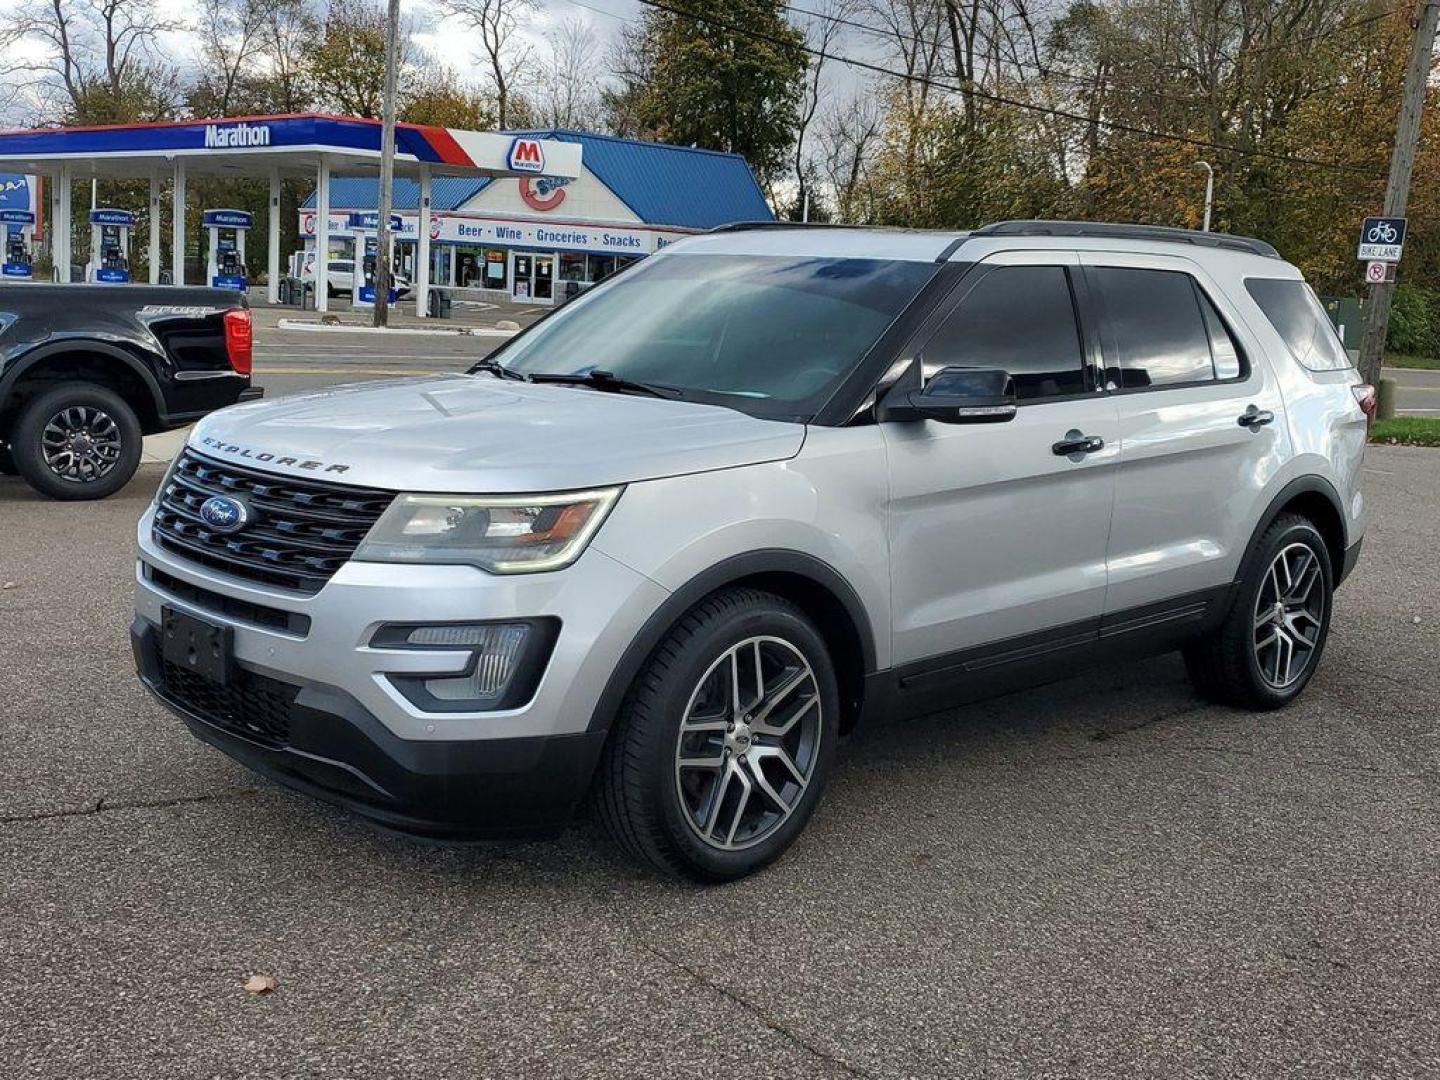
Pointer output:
452, 229
527, 155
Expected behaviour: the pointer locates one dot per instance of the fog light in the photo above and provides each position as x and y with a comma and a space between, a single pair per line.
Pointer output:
496, 648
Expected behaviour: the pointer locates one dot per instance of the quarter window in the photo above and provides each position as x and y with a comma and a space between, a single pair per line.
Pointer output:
1157, 329
1298, 317
1020, 319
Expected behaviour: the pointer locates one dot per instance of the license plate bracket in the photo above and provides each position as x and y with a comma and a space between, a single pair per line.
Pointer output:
198, 646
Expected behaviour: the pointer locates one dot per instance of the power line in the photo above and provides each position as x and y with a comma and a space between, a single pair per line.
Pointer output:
999, 99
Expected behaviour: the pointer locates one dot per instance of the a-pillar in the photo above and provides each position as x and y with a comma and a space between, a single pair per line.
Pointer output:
272, 258
177, 225
422, 267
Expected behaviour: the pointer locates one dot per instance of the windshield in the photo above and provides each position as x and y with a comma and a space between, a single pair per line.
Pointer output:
770, 335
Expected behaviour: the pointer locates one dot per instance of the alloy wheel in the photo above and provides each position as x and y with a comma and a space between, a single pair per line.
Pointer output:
749, 742
81, 443
1289, 615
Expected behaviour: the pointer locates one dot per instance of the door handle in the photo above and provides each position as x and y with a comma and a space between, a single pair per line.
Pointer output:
1077, 442
1254, 418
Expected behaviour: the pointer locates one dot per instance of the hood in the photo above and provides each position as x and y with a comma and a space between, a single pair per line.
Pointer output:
480, 434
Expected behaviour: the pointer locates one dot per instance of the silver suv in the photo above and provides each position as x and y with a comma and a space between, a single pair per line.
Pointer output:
673, 542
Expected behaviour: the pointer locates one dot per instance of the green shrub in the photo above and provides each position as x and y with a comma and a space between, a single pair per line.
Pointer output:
1413, 321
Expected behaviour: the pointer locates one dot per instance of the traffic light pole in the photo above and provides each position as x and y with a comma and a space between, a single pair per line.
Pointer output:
1397, 189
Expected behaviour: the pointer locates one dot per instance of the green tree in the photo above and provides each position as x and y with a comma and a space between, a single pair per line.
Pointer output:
725, 76
348, 68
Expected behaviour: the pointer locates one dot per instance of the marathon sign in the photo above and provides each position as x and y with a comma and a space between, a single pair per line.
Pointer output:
527, 155
233, 136
227, 219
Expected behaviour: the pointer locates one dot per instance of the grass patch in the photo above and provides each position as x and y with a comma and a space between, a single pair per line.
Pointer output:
1407, 431
1423, 363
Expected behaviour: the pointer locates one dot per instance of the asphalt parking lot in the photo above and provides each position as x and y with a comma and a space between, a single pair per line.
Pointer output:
1099, 878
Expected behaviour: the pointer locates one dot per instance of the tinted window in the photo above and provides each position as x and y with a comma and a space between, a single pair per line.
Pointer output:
1295, 312
767, 334
1021, 319
1223, 349
1155, 334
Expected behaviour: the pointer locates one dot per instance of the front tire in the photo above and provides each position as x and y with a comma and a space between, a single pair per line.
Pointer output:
1265, 652
723, 745
78, 441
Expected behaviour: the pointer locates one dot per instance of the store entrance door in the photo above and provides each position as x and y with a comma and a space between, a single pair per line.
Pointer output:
533, 278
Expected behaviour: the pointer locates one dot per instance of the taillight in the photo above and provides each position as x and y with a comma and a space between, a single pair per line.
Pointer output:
1366, 398
239, 337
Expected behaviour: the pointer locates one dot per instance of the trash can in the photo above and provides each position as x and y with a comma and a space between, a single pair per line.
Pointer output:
439, 306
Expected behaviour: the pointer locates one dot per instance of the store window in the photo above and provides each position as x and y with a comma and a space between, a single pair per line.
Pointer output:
600, 267
495, 275
572, 267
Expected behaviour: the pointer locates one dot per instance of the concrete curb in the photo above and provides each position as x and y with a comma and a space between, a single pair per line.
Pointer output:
161, 449
345, 328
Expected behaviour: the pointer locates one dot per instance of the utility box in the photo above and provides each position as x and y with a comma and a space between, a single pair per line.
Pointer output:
1345, 313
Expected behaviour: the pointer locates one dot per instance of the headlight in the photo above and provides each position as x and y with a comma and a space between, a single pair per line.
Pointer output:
502, 534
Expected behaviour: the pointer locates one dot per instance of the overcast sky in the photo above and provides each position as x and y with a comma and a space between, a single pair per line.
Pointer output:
457, 47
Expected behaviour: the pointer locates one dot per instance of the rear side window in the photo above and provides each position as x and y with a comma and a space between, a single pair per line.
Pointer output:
1157, 332
1298, 317
1020, 319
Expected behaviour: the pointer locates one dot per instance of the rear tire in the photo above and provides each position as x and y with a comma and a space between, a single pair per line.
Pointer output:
77, 441
724, 742
1265, 652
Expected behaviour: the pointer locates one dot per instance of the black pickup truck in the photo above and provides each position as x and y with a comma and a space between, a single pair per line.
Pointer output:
87, 370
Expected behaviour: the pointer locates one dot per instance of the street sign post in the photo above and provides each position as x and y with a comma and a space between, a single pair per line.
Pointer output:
1381, 239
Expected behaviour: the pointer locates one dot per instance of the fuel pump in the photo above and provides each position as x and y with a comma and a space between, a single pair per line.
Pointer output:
365, 226
226, 231
110, 245
17, 227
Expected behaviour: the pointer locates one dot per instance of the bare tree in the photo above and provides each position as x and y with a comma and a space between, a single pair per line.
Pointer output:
822, 34
99, 57
567, 95
289, 38
497, 21
850, 134
231, 33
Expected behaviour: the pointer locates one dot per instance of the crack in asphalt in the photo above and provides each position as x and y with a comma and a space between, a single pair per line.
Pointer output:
102, 806
755, 1011
1105, 734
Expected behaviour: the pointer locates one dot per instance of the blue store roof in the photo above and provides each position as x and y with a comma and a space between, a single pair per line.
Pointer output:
665, 185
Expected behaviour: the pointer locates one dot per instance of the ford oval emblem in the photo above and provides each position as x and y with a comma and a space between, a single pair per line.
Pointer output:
224, 514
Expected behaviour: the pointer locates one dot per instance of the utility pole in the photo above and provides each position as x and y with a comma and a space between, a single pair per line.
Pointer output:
387, 170
1397, 188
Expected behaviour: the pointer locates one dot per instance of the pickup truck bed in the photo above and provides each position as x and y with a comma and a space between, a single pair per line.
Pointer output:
87, 370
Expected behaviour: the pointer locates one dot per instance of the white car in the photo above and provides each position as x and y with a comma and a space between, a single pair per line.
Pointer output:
670, 544
341, 278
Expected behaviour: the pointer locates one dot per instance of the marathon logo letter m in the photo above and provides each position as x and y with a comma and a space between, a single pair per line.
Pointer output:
527, 155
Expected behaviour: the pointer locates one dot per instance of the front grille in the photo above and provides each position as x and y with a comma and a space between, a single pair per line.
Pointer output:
301, 533
250, 705
271, 618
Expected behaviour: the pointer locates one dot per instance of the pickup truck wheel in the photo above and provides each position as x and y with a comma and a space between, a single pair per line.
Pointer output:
79, 441
724, 743
1270, 643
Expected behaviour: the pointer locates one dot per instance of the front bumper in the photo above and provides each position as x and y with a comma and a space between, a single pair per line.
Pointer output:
335, 750
328, 715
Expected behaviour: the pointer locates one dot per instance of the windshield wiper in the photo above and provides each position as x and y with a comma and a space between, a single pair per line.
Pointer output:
605, 380
494, 367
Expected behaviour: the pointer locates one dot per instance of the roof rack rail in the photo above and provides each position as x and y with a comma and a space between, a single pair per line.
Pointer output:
1162, 233
755, 226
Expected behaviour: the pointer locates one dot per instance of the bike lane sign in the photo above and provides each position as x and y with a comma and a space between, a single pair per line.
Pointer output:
1381, 239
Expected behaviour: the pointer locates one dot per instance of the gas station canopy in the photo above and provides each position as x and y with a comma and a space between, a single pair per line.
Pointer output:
252, 145
267, 147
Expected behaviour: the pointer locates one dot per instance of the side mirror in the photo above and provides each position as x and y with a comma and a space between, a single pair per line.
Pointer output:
953, 395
